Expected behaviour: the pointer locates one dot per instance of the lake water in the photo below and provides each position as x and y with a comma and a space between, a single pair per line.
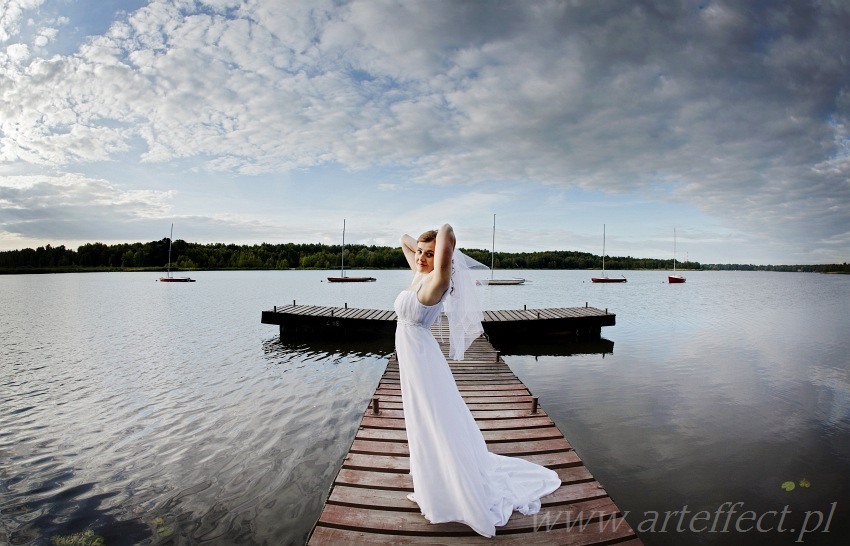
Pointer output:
154, 413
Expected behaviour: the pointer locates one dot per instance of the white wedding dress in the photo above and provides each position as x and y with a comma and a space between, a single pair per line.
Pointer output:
455, 477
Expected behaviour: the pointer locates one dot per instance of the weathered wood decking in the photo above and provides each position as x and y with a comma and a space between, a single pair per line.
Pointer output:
578, 322
368, 505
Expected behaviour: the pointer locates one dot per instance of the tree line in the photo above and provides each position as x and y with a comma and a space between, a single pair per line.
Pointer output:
154, 256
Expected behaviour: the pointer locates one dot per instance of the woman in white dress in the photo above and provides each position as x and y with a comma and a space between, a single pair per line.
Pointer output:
455, 477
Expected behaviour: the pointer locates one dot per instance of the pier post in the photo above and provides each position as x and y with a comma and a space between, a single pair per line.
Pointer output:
533, 404
498, 353
375, 409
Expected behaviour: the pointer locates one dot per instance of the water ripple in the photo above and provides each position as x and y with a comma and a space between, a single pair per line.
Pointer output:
154, 414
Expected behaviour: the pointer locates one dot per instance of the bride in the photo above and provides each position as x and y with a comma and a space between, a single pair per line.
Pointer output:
455, 477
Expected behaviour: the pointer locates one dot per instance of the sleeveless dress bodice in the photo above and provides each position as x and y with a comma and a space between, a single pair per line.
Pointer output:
411, 312
455, 477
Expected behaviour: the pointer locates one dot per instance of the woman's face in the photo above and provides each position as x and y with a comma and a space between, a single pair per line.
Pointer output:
425, 256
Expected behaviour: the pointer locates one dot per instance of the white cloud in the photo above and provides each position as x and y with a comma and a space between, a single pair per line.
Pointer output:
11, 13
17, 53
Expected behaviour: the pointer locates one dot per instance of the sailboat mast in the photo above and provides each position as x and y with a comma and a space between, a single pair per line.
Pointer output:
603, 250
493, 251
674, 250
170, 240
342, 251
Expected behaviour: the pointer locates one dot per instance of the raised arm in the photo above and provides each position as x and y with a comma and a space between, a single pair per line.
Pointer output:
434, 288
408, 246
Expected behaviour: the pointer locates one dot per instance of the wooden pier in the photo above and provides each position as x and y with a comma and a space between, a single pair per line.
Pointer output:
367, 503
314, 320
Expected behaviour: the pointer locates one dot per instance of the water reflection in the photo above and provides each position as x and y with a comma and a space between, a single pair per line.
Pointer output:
284, 346
515, 347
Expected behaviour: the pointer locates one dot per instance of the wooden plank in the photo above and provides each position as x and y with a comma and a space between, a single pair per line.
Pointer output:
384, 480
482, 417
320, 311
547, 314
471, 390
365, 314
394, 418
499, 316
475, 407
517, 315
473, 397
615, 530
394, 499
356, 313
401, 464
340, 312
490, 384
376, 314
552, 445
300, 310
413, 523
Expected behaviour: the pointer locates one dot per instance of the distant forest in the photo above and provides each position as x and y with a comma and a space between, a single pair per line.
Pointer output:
188, 256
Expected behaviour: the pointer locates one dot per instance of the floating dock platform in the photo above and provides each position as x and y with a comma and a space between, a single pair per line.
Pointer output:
367, 502
578, 323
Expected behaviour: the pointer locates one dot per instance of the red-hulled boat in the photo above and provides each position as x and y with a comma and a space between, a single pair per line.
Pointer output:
608, 279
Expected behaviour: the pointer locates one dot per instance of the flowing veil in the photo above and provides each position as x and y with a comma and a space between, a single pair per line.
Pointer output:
462, 307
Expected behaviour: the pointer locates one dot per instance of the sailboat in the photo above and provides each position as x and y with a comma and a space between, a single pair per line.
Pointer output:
342, 277
497, 282
674, 278
605, 278
168, 277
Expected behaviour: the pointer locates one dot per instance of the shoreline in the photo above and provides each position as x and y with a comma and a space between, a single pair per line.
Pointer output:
46, 271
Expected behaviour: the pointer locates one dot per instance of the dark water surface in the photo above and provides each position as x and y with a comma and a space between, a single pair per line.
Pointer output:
167, 414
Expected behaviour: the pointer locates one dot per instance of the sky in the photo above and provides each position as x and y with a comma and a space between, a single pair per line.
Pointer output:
249, 121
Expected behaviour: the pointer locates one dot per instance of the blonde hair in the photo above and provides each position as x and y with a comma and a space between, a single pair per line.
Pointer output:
428, 236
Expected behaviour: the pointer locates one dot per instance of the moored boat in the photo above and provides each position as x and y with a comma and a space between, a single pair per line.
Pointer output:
168, 277
342, 277
605, 278
500, 282
608, 279
497, 282
352, 279
675, 278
